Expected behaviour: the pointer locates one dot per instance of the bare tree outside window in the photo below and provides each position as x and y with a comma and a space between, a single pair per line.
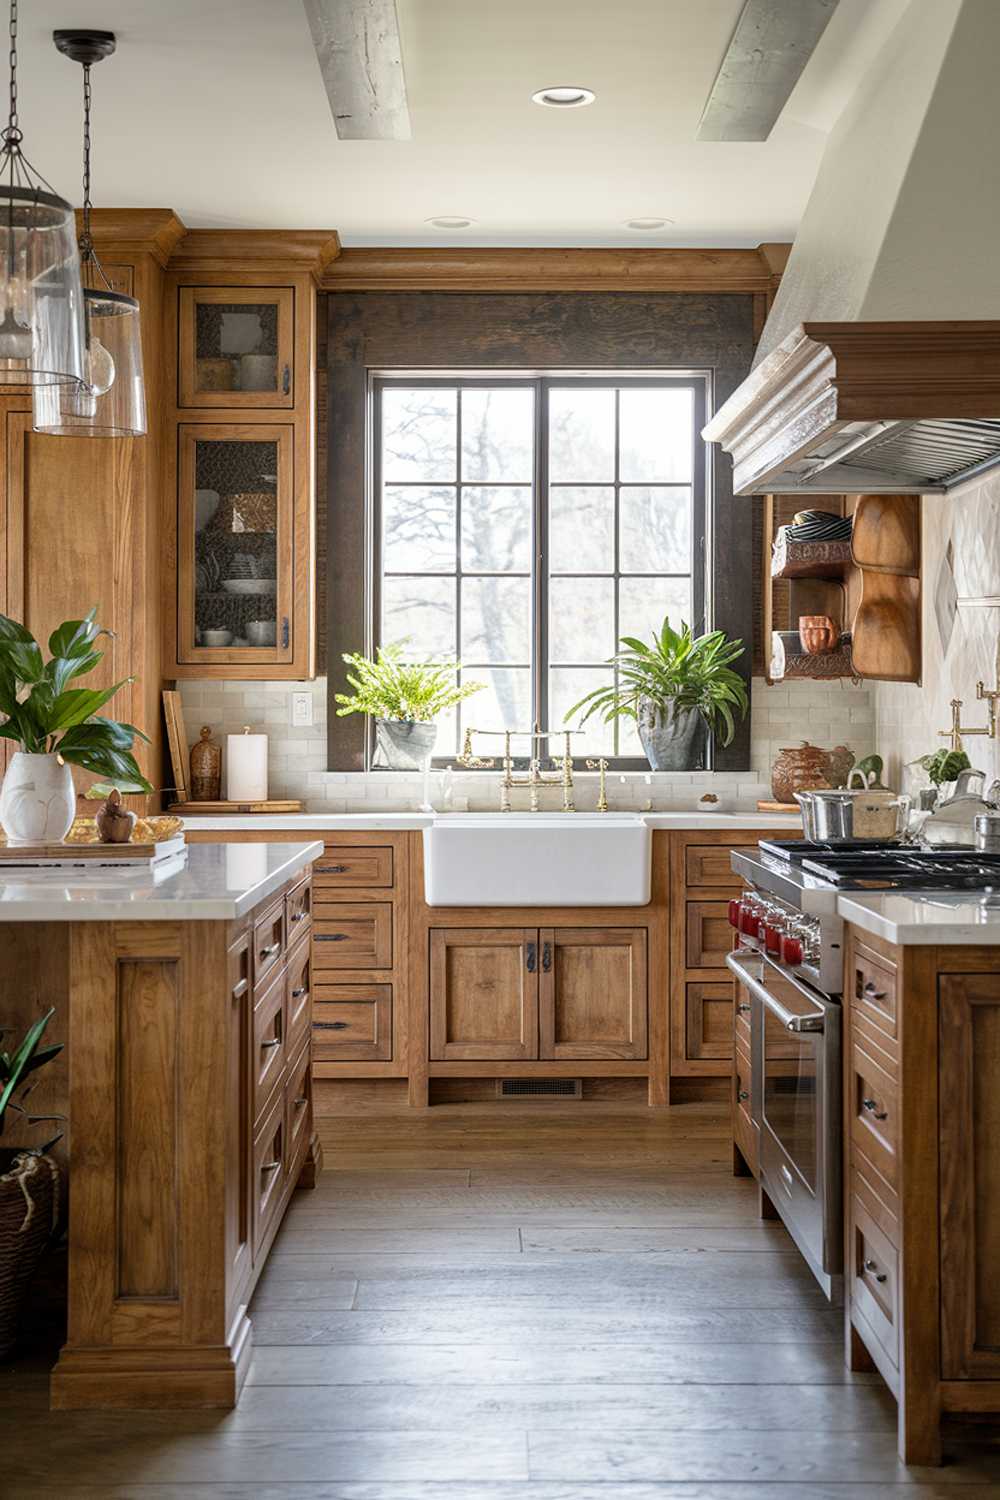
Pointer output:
525, 525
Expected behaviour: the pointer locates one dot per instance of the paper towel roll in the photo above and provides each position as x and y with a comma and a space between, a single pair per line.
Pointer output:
246, 767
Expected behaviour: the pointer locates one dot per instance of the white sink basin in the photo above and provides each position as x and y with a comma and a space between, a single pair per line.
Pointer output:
537, 859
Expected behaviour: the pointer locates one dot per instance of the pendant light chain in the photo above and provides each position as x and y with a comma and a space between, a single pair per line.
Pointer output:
12, 135
86, 239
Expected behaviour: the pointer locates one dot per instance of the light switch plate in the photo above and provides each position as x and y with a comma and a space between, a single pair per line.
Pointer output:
302, 710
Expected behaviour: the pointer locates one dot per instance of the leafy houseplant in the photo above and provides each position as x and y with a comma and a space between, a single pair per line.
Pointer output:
404, 698
55, 725
672, 687
944, 765
28, 1180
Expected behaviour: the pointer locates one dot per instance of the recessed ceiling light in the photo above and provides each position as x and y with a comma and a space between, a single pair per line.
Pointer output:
565, 96
647, 224
450, 221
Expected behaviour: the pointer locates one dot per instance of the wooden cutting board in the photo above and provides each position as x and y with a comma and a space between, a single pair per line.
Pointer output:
187, 808
780, 807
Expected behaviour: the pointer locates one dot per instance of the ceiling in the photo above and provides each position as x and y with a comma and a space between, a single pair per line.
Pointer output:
216, 108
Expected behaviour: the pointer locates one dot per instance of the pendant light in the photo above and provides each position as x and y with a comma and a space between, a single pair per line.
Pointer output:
42, 337
111, 399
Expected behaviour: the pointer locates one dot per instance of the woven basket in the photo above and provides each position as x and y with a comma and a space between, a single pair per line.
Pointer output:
29, 1204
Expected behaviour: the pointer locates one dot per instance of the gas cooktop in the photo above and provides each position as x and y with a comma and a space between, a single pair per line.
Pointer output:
890, 867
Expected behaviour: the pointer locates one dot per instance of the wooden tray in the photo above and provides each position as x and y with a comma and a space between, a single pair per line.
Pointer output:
86, 854
187, 808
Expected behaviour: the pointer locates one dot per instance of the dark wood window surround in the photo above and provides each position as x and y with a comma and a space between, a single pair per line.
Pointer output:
422, 332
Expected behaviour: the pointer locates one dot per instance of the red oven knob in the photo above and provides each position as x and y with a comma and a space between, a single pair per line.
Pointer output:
749, 920
772, 939
791, 949
735, 912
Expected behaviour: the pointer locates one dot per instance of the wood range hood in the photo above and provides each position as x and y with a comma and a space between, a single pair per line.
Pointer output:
899, 407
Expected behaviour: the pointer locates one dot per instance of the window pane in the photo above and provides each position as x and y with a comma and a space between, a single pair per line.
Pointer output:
643, 602
656, 435
496, 529
496, 619
418, 529
419, 433
504, 703
581, 619
581, 435
581, 530
655, 530
567, 685
498, 435
422, 612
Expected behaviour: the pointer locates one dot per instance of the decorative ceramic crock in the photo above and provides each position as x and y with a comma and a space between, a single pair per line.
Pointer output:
404, 744
38, 800
670, 737
806, 768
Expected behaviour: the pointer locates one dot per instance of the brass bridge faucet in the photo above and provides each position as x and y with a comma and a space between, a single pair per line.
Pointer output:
983, 695
535, 778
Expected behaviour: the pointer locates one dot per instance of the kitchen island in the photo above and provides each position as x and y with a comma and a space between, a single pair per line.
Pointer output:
184, 998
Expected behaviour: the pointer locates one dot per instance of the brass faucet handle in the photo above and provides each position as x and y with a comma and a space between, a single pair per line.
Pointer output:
597, 765
470, 761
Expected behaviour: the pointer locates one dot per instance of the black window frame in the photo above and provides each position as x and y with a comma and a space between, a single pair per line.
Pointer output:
699, 382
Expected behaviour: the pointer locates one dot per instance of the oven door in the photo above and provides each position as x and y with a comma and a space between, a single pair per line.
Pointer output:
796, 1103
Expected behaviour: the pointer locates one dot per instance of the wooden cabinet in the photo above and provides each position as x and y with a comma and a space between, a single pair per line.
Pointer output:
709, 1019
709, 936
352, 1023
352, 936
236, 347
526, 994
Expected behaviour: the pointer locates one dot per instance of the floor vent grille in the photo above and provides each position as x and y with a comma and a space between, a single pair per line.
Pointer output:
540, 1088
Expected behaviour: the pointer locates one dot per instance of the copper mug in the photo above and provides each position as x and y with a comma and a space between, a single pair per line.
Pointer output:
817, 633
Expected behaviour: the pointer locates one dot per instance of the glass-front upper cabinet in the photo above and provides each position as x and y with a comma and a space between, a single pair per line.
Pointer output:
236, 552
237, 347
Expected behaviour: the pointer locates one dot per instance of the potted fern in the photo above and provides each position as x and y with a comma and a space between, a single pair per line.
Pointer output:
674, 687
29, 1179
404, 699
56, 725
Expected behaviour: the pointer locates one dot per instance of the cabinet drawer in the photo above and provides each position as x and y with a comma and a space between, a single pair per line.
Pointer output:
709, 1019
744, 1130
741, 1018
343, 865
709, 864
873, 989
874, 1278
298, 1098
268, 943
873, 1102
268, 1170
298, 910
268, 1043
352, 1023
298, 984
709, 935
353, 937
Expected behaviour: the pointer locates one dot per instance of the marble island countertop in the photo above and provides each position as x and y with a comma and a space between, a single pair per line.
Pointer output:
400, 821
930, 917
208, 883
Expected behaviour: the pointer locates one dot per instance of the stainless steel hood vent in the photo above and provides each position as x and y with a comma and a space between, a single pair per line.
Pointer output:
902, 408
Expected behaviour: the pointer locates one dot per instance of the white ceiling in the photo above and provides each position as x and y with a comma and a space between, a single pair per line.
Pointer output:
216, 108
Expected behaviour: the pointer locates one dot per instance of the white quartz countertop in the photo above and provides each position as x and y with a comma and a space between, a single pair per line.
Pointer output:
213, 883
925, 916
395, 822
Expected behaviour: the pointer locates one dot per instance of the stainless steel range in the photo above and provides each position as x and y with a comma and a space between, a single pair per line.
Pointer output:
788, 956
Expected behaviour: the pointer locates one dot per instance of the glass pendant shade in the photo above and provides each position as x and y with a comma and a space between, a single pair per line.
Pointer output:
110, 401
42, 336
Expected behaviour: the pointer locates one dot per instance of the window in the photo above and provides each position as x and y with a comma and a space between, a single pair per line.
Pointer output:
523, 525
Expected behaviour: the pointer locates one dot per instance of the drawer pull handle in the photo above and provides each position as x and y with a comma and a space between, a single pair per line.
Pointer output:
744, 1008
286, 380
302, 990
531, 959
871, 1266
332, 937
298, 916
270, 1166
546, 958
272, 1041
331, 869
270, 950
742, 1095
330, 1025
871, 1105
871, 993
301, 1101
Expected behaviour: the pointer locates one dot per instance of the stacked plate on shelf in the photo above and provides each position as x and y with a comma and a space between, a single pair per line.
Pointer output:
819, 526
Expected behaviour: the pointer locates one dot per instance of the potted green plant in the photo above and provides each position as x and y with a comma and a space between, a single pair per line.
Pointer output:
404, 699
54, 726
673, 687
29, 1180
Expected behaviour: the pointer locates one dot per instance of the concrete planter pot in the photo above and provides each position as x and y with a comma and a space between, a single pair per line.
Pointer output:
671, 738
405, 745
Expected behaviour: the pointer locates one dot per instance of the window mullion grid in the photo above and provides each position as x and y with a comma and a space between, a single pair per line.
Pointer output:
458, 559
540, 563
615, 723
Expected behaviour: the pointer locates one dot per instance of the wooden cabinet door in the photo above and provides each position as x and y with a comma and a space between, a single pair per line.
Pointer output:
484, 994
239, 1085
593, 1001
709, 935
969, 1112
709, 1019
236, 347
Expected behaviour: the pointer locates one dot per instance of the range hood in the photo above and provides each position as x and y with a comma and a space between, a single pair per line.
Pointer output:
894, 407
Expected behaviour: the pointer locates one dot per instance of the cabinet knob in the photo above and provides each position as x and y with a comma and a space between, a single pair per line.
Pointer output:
744, 1007
301, 1101
871, 993
272, 1041
871, 1266
270, 1166
742, 1095
270, 950
303, 989
871, 1105
298, 916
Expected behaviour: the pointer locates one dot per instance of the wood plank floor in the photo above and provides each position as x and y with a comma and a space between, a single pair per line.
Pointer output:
513, 1303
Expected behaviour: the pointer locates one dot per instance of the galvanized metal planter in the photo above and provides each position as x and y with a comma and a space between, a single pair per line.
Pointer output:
671, 738
403, 744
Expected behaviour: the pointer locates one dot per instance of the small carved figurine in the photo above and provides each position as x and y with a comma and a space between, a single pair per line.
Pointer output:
206, 768
114, 822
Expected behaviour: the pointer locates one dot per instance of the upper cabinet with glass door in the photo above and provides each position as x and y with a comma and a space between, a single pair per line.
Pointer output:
236, 347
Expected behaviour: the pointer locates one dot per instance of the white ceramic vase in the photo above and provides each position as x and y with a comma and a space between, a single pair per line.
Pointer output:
38, 800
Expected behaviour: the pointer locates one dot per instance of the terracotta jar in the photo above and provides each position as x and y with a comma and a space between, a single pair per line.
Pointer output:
206, 768
805, 768
817, 634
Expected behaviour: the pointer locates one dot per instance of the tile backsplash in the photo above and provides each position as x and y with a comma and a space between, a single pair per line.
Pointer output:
827, 713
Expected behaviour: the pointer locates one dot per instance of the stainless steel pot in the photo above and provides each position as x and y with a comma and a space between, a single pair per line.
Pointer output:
841, 817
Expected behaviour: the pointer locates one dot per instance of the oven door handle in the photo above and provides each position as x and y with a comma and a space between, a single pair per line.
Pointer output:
788, 1019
